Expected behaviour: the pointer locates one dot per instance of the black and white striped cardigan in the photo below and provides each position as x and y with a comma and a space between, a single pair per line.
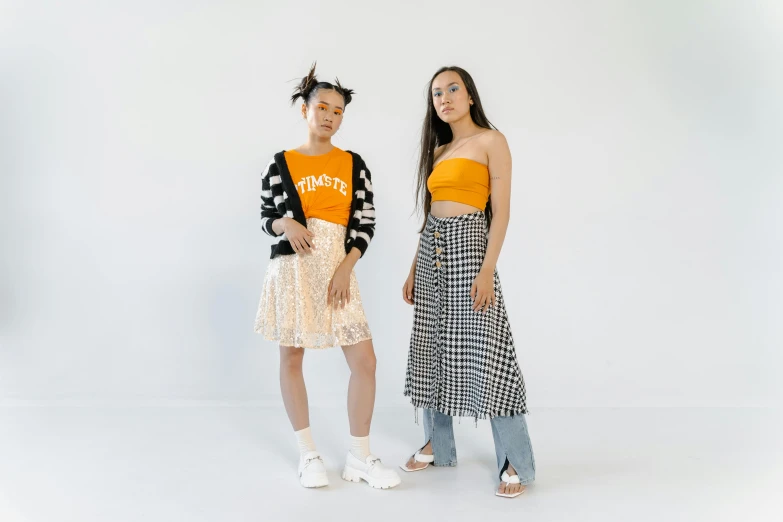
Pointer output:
279, 198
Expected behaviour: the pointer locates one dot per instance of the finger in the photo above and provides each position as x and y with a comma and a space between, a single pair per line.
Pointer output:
347, 296
305, 244
344, 299
295, 246
406, 294
473, 291
308, 240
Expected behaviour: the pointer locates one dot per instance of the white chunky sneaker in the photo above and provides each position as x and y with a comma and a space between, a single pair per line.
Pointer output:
371, 471
312, 472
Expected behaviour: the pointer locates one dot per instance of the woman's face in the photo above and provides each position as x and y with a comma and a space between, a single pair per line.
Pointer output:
450, 97
324, 113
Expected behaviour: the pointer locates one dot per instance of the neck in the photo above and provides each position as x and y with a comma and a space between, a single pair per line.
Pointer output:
316, 145
463, 127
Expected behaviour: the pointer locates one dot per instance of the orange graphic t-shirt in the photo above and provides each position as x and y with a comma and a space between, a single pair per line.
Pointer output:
323, 183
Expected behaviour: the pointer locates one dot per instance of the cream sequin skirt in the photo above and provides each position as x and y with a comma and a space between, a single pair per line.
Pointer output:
293, 308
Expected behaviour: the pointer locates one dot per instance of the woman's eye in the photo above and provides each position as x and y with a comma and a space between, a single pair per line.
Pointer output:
454, 88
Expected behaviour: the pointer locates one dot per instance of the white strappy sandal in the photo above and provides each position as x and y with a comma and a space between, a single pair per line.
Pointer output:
509, 479
418, 457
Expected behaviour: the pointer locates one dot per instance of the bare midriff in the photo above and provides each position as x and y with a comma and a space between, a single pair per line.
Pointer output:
444, 209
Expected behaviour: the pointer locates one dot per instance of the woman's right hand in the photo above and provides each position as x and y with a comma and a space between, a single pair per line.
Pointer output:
407, 289
300, 238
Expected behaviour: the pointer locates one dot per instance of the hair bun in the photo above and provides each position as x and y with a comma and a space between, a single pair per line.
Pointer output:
305, 86
347, 93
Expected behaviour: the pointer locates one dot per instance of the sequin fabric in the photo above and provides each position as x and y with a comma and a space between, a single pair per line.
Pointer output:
293, 308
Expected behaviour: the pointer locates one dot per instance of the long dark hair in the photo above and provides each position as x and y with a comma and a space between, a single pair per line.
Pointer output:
436, 132
309, 85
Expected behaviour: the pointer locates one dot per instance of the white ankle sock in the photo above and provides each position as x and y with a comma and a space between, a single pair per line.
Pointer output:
305, 440
360, 447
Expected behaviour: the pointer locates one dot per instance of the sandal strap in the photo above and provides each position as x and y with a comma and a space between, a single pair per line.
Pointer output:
424, 459
509, 479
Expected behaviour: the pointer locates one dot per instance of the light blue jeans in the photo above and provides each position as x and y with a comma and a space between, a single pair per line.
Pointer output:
512, 443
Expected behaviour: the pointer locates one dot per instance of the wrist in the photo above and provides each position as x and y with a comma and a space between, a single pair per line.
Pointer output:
351, 259
278, 226
286, 222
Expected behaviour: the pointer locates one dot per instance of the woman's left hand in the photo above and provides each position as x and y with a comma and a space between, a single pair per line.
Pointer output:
339, 293
483, 290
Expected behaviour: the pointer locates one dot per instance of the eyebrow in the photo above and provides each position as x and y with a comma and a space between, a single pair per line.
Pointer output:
449, 85
328, 105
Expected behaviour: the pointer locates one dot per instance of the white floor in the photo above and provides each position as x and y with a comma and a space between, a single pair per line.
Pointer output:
196, 462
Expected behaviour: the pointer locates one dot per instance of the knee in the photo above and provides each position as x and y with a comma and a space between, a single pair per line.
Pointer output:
291, 359
365, 365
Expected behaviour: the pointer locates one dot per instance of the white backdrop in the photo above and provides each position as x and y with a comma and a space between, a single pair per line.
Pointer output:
643, 261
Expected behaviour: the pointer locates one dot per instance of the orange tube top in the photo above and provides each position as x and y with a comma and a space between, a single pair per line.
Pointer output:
462, 180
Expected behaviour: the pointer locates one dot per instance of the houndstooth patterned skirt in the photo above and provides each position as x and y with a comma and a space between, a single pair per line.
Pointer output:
461, 362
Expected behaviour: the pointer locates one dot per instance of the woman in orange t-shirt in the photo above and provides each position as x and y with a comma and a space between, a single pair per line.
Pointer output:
318, 200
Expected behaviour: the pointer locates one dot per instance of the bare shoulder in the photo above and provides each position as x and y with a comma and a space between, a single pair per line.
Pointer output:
493, 137
438, 151
495, 144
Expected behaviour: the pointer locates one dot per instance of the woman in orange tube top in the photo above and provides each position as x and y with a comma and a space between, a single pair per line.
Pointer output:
462, 360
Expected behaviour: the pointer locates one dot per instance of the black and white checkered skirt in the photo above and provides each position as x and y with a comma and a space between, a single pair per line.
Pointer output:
461, 362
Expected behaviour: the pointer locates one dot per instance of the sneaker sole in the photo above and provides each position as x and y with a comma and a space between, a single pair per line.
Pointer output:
352, 475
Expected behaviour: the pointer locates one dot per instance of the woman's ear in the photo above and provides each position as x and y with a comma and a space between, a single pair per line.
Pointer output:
304, 110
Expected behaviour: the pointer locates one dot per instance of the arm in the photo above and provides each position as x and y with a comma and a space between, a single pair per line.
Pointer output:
415, 257
407, 287
339, 293
270, 217
483, 289
500, 185
367, 221
274, 223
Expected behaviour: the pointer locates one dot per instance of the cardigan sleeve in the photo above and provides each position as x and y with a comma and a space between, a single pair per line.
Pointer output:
269, 212
366, 229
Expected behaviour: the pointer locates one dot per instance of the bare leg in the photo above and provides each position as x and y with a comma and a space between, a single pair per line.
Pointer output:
292, 387
361, 388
